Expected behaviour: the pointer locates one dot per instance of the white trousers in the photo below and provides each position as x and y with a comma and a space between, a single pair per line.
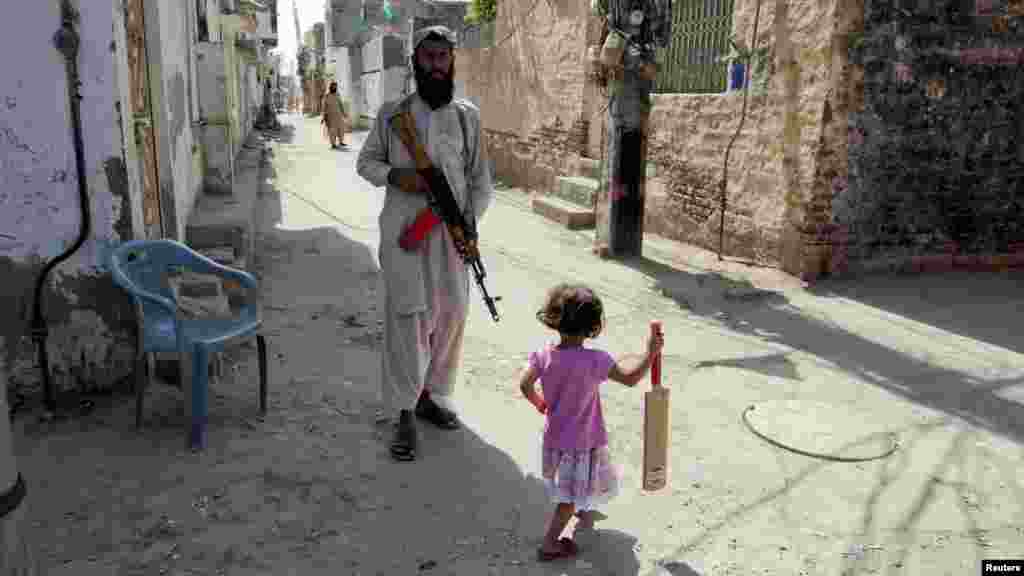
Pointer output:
422, 351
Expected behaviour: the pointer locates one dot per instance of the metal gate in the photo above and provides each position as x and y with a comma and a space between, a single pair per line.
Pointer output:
700, 37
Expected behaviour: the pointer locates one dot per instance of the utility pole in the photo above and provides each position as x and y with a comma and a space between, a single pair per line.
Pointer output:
300, 60
298, 30
634, 29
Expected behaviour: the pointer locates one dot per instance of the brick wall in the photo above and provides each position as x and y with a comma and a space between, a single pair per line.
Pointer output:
772, 163
530, 88
689, 135
881, 148
936, 143
814, 235
535, 161
540, 112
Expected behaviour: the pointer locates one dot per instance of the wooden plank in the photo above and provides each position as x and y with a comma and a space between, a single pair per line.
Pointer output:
135, 28
142, 118
150, 188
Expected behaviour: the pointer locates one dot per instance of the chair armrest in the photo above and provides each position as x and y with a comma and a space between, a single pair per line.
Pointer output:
203, 265
244, 278
133, 289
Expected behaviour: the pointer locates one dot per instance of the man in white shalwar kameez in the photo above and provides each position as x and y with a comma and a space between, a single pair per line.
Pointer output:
426, 290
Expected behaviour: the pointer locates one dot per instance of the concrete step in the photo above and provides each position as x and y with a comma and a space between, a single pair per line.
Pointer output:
589, 168
200, 295
223, 255
230, 220
577, 190
217, 222
227, 256
572, 216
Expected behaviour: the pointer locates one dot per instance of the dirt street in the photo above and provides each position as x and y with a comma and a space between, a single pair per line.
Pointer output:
935, 363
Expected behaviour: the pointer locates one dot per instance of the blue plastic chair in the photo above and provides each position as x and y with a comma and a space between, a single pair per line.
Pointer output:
141, 267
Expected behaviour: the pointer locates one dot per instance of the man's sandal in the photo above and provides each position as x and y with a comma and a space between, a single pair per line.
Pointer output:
566, 549
430, 411
403, 445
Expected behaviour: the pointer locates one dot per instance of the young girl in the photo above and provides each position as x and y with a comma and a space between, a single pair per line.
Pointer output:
577, 469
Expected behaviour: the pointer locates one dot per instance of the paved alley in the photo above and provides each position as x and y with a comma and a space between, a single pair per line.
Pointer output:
312, 490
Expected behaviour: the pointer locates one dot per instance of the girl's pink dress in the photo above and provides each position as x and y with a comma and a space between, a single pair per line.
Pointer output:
576, 464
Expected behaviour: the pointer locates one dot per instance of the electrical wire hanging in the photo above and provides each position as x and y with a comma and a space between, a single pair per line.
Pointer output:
67, 40
739, 129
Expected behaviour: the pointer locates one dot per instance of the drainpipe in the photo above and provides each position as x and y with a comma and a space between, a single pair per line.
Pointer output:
67, 42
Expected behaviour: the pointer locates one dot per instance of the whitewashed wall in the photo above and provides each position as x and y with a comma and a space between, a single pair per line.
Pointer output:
39, 200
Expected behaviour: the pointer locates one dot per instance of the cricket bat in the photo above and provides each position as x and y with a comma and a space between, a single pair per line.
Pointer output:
656, 426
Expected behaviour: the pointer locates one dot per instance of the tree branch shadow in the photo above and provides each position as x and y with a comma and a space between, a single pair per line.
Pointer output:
775, 365
771, 317
942, 301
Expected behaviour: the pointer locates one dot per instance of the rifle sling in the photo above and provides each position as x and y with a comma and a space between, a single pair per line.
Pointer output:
407, 134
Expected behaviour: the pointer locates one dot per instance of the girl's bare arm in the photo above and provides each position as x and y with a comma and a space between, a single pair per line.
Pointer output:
529, 390
631, 369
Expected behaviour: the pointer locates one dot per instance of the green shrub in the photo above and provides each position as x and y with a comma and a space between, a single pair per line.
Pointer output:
481, 11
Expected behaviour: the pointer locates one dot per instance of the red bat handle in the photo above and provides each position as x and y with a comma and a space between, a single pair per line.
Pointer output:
656, 361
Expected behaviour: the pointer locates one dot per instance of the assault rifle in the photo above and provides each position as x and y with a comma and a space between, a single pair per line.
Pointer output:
442, 207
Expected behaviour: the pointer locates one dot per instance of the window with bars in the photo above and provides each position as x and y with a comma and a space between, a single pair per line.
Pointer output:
700, 37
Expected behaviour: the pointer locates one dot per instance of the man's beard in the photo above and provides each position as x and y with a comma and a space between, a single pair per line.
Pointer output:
434, 91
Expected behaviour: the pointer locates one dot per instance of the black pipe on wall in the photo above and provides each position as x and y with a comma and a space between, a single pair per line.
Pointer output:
67, 41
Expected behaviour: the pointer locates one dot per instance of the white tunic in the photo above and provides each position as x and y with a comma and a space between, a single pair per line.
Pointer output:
430, 277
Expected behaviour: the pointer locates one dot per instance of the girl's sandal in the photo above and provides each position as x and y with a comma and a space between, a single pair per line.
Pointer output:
566, 549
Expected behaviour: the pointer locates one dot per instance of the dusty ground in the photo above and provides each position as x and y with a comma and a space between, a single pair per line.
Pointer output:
937, 361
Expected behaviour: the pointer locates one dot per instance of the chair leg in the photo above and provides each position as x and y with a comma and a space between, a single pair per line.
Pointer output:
261, 348
199, 394
217, 367
141, 379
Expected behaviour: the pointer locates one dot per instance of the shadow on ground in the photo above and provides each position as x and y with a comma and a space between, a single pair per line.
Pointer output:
973, 305
674, 569
284, 134
311, 488
771, 317
494, 514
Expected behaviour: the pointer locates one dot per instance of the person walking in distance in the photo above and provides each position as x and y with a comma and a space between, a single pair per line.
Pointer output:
426, 288
576, 465
335, 116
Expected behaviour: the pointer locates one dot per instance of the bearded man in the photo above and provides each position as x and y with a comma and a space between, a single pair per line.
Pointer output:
335, 116
426, 289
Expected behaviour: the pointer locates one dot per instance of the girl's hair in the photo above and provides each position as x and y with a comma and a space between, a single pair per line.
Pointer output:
574, 310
